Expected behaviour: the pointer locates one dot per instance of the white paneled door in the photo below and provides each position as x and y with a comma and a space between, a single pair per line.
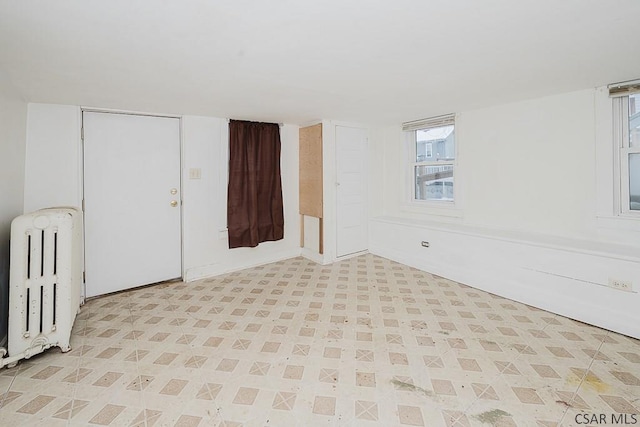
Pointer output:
131, 201
351, 190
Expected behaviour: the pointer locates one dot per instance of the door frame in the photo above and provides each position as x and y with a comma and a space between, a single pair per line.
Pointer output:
82, 173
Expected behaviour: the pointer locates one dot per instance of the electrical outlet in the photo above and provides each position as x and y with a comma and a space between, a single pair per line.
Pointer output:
621, 285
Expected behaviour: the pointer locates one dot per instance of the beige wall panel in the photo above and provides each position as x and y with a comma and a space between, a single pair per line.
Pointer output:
311, 170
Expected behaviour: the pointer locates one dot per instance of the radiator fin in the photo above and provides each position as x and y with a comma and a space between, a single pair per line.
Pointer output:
41, 312
55, 303
29, 256
55, 253
27, 311
42, 253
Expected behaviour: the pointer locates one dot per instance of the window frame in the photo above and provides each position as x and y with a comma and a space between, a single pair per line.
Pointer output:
621, 156
410, 130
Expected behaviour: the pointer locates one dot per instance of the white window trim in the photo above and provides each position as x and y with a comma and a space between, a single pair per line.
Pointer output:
610, 224
621, 155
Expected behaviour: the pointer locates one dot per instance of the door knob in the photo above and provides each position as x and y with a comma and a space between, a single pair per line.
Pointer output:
173, 191
174, 203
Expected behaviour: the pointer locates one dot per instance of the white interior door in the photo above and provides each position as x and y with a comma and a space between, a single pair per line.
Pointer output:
131, 200
351, 190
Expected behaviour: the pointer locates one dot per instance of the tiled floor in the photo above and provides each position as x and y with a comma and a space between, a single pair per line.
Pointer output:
362, 342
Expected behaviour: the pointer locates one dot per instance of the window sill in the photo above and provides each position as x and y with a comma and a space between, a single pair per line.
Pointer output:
627, 222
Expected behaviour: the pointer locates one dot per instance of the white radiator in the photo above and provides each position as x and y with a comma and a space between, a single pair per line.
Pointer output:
44, 282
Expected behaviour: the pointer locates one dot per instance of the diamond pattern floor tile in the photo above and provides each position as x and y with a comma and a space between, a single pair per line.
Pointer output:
365, 341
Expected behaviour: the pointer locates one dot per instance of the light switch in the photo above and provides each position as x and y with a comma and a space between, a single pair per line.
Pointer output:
194, 173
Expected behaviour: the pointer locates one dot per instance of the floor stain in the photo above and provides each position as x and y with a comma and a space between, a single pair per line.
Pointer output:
410, 387
589, 381
491, 417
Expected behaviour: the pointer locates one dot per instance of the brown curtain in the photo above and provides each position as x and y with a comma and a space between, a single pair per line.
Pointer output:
254, 197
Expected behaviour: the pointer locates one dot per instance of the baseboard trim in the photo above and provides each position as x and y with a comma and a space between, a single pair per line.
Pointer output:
212, 270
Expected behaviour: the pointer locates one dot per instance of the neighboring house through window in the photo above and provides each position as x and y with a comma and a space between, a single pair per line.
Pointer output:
432, 151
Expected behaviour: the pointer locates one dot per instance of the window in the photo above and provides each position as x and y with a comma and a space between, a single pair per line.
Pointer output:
633, 152
626, 110
432, 151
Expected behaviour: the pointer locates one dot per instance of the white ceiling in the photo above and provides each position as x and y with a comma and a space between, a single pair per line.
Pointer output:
294, 61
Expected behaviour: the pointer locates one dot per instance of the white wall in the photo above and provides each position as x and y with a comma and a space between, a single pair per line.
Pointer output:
206, 248
379, 179
54, 178
531, 166
527, 222
53, 171
13, 125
